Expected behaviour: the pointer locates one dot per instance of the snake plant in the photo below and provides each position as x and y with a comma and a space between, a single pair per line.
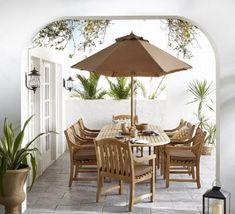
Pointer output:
13, 155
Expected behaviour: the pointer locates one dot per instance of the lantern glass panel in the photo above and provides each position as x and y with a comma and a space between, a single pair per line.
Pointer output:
34, 82
69, 84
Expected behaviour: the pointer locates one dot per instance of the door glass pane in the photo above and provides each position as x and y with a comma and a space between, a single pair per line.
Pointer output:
46, 75
47, 92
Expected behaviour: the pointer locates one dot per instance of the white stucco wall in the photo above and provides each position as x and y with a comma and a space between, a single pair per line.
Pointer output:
97, 113
20, 20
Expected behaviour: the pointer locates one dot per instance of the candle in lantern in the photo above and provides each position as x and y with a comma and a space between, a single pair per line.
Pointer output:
217, 207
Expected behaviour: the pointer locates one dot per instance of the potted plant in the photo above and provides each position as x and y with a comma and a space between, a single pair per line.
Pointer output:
210, 138
15, 163
202, 91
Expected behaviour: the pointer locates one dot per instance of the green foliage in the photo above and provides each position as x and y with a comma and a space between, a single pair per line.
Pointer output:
211, 133
202, 92
120, 89
80, 34
160, 88
89, 87
181, 34
139, 86
13, 155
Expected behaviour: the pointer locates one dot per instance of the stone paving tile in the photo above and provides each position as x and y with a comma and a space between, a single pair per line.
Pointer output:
51, 194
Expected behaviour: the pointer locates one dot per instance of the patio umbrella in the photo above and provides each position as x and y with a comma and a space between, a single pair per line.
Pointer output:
131, 56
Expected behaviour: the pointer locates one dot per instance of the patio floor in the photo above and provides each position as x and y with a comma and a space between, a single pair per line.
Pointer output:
51, 193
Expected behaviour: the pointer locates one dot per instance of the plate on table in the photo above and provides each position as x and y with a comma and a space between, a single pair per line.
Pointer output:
150, 132
138, 141
118, 136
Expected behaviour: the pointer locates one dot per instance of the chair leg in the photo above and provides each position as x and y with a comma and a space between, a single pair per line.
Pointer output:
99, 187
162, 162
120, 189
152, 184
71, 174
158, 157
76, 171
189, 170
198, 176
193, 172
167, 172
132, 196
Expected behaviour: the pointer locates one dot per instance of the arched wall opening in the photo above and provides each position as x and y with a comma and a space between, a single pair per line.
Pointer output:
217, 72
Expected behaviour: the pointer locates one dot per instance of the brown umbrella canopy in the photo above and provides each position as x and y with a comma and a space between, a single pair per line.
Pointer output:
132, 55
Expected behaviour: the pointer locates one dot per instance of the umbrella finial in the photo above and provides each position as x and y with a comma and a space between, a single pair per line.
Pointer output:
131, 36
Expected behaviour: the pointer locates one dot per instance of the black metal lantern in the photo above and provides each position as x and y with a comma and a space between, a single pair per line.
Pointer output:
216, 201
34, 80
68, 84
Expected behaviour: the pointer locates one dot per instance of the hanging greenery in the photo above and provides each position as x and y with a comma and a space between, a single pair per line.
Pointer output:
181, 36
71, 33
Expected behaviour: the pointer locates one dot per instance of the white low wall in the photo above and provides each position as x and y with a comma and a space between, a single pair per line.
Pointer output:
97, 113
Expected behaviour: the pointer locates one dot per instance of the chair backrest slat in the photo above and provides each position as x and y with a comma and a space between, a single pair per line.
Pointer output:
125, 117
114, 157
77, 130
198, 141
69, 134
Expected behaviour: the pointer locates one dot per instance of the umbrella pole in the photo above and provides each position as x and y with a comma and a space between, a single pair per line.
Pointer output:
132, 99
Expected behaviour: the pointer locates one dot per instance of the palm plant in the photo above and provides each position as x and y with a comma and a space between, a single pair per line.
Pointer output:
119, 90
160, 88
202, 91
89, 87
12, 155
211, 133
139, 86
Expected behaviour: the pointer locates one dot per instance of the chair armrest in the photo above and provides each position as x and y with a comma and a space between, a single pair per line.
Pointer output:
170, 130
91, 134
91, 130
181, 142
144, 158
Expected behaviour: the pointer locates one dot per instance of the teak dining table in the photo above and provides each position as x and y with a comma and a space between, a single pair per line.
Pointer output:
113, 130
152, 141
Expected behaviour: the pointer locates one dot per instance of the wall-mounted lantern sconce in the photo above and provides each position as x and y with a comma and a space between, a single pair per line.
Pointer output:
34, 80
68, 84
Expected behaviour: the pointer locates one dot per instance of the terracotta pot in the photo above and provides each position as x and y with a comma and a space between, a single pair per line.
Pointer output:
14, 195
207, 150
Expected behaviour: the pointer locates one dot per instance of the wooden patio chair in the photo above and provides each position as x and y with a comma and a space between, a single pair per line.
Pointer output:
116, 161
171, 132
81, 135
82, 157
179, 138
185, 156
124, 117
87, 130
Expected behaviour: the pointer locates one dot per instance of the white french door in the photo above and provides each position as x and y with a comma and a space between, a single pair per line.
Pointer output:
46, 120
47, 107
